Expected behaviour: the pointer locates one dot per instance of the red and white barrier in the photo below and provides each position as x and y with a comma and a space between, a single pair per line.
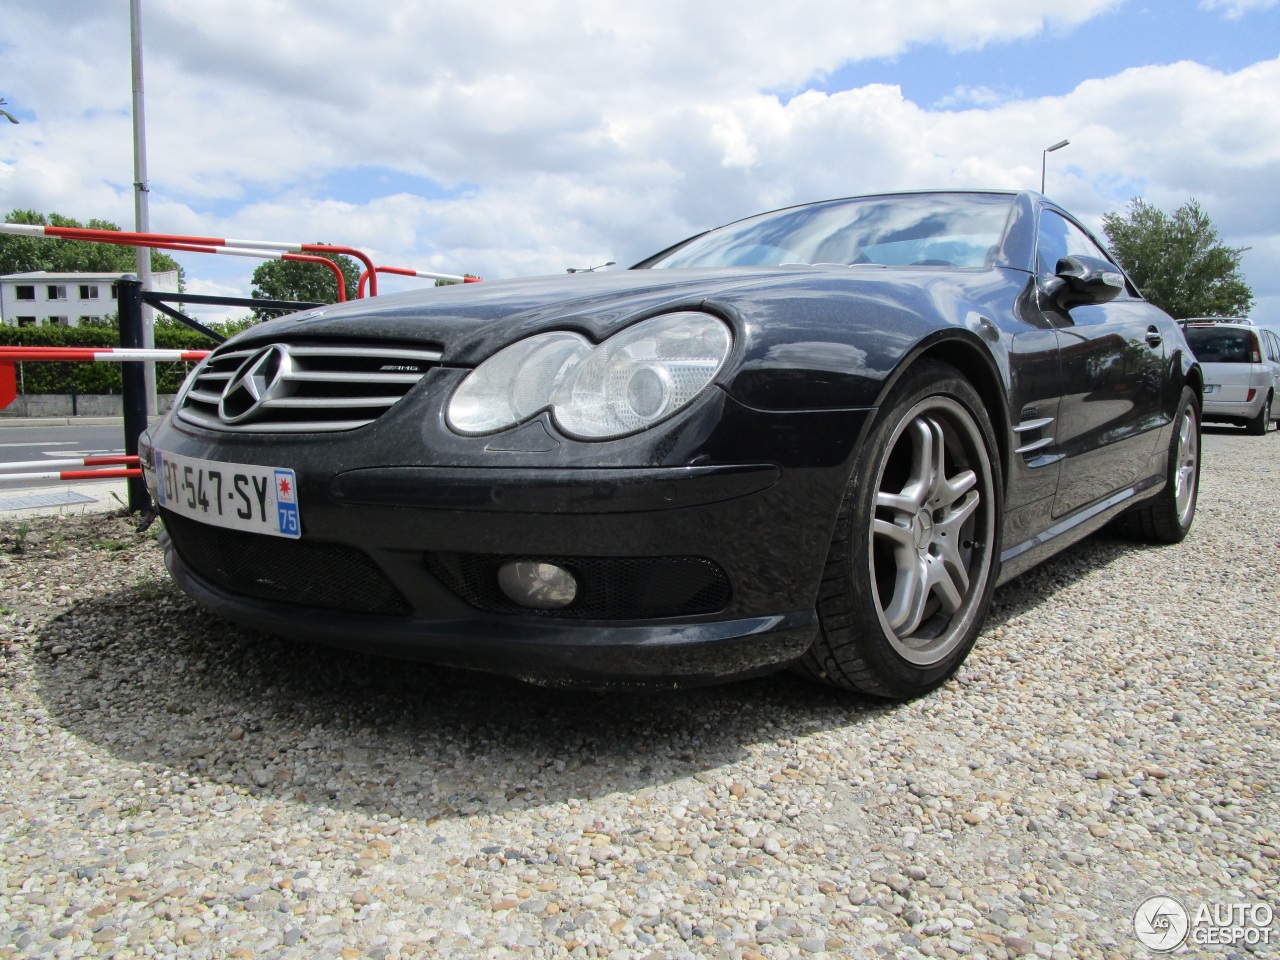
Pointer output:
11, 356
263, 249
98, 354
39, 469
408, 272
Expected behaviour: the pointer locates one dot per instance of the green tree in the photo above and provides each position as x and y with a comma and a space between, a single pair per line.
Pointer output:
1178, 260
25, 254
294, 280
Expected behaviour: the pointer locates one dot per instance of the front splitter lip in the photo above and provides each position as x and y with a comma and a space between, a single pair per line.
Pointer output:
591, 655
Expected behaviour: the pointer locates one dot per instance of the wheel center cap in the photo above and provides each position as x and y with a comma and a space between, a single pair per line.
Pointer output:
922, 528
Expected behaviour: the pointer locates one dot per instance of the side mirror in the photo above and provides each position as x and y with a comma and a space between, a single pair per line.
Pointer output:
1083, 280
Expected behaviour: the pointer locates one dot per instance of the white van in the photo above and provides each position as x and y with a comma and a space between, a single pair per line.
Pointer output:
1241, 365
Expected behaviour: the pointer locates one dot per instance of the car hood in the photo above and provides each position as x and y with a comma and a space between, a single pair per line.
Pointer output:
468, 322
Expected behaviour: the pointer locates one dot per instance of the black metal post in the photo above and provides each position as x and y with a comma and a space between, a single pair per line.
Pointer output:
133, 375
75, 412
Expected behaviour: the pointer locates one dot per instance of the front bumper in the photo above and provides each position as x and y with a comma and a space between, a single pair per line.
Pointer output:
765, 521
581, 654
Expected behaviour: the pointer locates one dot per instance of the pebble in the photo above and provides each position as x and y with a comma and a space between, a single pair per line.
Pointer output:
174, 786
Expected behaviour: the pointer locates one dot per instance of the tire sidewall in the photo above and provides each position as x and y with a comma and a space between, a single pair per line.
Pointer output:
1187, 401
899, 676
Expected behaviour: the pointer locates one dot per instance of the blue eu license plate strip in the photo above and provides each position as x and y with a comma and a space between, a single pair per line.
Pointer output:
238, 496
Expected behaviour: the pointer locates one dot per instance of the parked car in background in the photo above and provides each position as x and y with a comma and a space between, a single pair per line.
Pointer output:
1241, 367
818, 437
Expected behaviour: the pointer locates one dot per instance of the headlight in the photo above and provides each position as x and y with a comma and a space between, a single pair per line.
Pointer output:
631, 381
515, 383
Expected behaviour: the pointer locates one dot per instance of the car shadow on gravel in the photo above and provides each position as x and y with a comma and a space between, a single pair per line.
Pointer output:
1028, 591
150, 678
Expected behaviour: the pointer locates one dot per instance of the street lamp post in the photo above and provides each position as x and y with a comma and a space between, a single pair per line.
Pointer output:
1044, 154
141, 215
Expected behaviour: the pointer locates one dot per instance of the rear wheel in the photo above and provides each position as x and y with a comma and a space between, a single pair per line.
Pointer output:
912, 562
1259, 425
1167, 517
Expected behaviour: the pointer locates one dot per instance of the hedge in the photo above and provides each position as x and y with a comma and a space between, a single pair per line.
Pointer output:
44, 377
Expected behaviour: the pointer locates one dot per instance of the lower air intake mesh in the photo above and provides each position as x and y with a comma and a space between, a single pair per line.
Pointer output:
324, 575
609, 588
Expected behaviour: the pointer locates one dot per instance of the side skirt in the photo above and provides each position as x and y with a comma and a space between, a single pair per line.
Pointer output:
1074, 527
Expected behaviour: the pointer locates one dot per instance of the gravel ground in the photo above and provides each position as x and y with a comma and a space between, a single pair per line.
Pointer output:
171, 785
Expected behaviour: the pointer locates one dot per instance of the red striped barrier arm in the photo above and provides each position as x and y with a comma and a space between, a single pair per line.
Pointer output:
71, 475
409, 272
111, 460
264, 249
10, 357
121, 465
97, 354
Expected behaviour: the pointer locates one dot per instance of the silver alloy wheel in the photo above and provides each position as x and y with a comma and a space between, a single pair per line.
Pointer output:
1187, 458
932, 533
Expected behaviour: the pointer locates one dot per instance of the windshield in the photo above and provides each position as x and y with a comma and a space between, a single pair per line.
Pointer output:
927, 229
1216, 345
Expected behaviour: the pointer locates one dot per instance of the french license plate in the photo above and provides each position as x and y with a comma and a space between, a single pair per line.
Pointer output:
236, 495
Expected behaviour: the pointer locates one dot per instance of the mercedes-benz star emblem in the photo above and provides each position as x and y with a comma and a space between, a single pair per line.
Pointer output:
259, 379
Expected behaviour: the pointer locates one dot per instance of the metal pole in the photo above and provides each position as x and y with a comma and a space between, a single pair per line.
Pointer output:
141, 214
1044, 154
134, 384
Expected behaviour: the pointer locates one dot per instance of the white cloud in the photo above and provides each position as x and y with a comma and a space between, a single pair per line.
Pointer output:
588, 131
979, 96
1235, 9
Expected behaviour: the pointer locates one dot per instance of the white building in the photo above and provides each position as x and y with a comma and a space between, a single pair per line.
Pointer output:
66, 299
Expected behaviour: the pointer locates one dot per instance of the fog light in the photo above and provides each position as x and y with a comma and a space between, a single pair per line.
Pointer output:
541, 586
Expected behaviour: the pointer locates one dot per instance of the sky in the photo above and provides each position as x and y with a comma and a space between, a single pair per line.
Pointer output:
520, 137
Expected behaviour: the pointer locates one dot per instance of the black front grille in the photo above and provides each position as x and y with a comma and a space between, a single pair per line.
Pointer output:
328, 576
609, 588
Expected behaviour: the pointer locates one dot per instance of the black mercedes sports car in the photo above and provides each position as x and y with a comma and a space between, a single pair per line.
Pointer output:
818, 437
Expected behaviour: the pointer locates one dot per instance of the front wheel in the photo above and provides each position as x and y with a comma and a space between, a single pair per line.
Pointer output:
912, 562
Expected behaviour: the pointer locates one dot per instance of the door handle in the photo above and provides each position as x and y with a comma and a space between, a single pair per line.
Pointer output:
1153, 337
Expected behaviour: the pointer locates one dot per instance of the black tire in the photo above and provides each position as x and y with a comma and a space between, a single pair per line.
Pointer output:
1259, 425
1167, 517
914, 554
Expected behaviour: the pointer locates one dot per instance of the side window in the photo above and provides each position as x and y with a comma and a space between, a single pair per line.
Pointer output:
1058, 237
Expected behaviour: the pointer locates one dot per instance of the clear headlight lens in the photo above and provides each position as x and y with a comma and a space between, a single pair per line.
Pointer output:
629, 382
515, 383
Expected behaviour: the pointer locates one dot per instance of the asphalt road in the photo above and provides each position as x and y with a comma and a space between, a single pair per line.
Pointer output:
21, 444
